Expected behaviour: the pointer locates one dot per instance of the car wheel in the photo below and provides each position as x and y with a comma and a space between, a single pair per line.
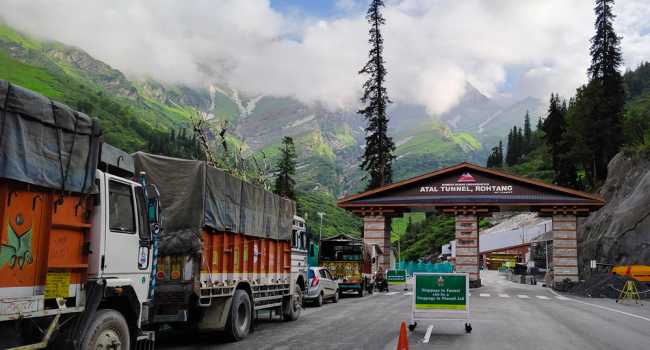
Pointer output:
319, 300
336, 297
362, 291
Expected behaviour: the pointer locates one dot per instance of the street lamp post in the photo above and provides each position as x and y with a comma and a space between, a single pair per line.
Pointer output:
320, 231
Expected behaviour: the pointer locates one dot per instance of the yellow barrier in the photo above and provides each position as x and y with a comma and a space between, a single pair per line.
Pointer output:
640, 273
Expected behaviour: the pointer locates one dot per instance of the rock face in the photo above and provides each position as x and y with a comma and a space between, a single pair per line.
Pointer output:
619, 233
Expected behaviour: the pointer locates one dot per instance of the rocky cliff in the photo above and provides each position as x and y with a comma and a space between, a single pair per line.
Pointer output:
619, 233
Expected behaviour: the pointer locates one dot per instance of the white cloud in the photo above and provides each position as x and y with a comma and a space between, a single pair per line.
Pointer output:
432, 47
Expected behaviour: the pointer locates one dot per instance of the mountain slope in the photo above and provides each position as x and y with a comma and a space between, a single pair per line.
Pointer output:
329, 143
71, 76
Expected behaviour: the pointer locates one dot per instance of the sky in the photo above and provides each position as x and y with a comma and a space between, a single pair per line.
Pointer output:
313, 49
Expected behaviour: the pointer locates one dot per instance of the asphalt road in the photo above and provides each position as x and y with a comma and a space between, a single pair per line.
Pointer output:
504, 315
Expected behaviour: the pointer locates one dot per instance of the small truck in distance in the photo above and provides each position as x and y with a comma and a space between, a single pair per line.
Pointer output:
351, 263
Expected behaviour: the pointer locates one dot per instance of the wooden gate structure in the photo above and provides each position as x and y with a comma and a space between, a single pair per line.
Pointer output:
469, 192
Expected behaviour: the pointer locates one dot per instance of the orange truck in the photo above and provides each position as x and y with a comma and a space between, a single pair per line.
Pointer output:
94, 256
225, 251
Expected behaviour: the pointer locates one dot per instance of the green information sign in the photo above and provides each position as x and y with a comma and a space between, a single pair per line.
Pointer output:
396, 276
441, 291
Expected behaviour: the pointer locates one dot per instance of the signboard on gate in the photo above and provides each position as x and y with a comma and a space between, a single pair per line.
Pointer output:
396, 276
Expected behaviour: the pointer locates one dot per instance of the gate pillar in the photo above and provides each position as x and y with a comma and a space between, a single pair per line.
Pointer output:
376, 230
565, 248
467, 251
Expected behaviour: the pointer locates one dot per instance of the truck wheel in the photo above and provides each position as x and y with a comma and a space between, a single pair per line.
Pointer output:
319, 300
291, 306
336, 297
362, 291
108, 330
240, 316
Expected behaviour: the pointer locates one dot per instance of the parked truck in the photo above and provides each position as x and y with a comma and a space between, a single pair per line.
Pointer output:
225, 250
93, 256
351, 262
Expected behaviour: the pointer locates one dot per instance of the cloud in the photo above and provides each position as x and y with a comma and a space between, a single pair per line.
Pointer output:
432, 48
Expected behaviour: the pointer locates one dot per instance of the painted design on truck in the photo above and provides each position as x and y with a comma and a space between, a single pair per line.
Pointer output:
17, 250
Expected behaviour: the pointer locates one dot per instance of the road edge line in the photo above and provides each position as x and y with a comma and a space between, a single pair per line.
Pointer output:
601, 307
427, 336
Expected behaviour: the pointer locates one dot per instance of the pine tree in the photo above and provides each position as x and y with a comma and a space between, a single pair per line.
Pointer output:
500, 155
528, 134
378, 154
510, 153
606, 80
286, 169
558, 141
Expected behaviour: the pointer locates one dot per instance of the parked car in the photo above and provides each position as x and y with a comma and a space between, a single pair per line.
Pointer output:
321, 286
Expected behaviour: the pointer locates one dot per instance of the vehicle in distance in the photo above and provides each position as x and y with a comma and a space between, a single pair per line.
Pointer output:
322, 286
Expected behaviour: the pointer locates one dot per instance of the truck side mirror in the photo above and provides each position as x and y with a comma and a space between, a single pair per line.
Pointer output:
152, 211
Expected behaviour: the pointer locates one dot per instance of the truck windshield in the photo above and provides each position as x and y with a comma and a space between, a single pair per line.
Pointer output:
345, 252
121, 213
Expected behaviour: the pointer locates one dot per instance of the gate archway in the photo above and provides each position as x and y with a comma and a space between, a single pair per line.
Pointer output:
469, 191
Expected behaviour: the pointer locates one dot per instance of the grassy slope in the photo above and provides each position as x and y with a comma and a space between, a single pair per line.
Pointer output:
335, 221
126, 122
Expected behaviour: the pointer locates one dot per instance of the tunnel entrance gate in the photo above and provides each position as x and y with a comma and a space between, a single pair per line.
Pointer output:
469, 192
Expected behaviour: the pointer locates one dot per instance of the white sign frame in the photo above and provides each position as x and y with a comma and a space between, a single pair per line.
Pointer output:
440, 314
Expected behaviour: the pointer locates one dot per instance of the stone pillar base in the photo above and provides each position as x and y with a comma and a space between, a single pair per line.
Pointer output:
376, 230
565, 249
467, 248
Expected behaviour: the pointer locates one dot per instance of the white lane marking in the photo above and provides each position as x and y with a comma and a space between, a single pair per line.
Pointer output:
484, 295
408, 293
392, 293
603, 307
427, 335
521, 296
504, 296
542, 297
562, 298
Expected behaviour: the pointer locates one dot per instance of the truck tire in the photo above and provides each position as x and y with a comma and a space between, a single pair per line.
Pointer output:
108, 330
291, 306
335, 299
240, 316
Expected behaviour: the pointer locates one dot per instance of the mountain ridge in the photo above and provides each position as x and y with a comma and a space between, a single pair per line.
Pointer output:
330, 142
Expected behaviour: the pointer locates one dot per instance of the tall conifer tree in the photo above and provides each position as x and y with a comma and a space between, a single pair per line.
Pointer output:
528, 134
286, 169
378, 155
607, 83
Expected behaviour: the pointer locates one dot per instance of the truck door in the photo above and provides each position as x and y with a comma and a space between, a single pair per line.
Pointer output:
122, 249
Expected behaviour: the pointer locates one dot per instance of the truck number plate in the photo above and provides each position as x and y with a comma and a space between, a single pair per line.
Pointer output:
12, 306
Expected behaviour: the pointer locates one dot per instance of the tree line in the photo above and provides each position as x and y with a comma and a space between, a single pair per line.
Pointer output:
584, 133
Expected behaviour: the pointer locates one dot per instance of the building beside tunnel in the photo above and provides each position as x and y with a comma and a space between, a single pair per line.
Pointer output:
469, 192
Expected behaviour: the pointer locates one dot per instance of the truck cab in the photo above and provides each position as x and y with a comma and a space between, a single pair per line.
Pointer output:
120, 240
299, 261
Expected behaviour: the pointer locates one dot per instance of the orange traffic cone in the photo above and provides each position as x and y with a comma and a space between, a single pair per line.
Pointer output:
403, 342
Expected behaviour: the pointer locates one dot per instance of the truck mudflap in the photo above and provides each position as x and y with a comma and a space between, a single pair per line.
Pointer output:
94, 295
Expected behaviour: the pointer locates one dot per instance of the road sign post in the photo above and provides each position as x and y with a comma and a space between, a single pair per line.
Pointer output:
440, 297
396, 277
